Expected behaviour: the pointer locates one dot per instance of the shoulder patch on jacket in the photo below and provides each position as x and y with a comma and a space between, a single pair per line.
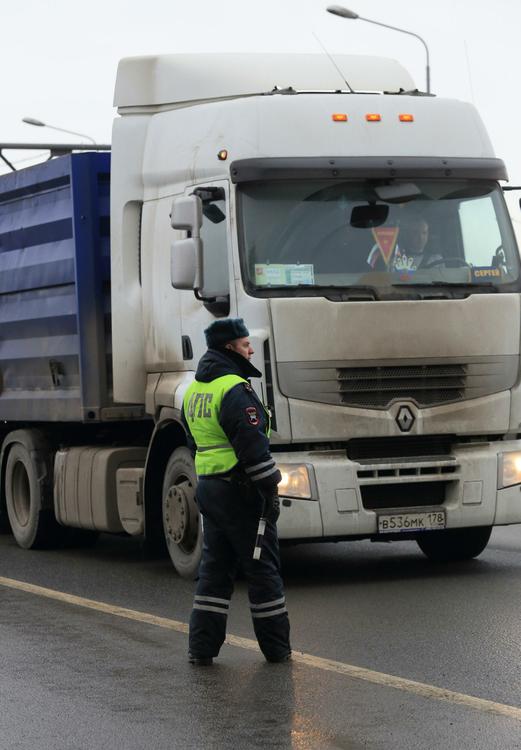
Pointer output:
252, 416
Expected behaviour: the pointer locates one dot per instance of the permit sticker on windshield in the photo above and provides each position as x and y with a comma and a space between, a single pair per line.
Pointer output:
284, 274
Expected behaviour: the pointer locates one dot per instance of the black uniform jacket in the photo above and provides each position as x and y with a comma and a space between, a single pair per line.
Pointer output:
242, 417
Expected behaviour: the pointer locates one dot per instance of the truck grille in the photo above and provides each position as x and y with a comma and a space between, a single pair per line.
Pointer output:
370, 449
377, 497
377, 387
408, 483
377, 384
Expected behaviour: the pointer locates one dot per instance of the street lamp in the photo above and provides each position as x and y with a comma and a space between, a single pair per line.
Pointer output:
338, 10
40, 124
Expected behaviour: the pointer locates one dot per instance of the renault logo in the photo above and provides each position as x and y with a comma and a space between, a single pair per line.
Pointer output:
404, 418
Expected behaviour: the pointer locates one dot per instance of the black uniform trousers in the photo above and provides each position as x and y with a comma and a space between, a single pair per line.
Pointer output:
230, 519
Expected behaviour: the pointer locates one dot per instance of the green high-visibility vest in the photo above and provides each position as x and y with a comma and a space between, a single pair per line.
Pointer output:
202, 405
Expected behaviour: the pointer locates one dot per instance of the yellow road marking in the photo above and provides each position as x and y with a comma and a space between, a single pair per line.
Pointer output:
317, 662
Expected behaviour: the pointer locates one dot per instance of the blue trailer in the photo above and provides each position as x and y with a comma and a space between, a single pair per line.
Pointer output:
55, 332
55, 345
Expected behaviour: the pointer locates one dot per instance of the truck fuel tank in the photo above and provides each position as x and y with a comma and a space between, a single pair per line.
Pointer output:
88, 483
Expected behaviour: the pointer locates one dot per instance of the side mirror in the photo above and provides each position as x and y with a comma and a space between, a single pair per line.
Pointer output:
186, 263
187, 214
186, 256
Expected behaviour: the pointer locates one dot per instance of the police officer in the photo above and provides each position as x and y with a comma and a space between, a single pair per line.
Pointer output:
229, 429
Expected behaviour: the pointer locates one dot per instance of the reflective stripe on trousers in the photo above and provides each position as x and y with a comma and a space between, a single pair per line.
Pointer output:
269, 609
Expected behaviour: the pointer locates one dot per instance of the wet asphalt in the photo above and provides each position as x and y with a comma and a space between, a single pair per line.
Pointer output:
73, 678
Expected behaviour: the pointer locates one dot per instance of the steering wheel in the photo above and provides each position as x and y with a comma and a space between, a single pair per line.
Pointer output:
499, 257
451, 262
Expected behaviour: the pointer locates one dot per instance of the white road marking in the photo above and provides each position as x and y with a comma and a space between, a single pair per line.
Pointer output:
317, 662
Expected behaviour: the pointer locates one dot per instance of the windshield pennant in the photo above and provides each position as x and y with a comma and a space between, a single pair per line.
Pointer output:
385, 238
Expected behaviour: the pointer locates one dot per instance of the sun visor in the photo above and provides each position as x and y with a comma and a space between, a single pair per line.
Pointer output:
172, 79
367, 167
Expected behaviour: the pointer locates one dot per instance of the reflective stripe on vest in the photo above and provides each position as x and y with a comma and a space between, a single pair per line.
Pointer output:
202, 405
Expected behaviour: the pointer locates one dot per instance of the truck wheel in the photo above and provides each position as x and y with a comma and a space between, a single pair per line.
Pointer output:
29, 500
181, 522
454, 544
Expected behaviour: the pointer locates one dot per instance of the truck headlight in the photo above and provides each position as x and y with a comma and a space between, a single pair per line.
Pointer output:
297, 481
509, 469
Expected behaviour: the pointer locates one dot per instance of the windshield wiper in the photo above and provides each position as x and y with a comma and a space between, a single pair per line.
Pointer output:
356, 292
461, 284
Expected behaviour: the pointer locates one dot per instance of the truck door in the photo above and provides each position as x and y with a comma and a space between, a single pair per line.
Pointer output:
217, 298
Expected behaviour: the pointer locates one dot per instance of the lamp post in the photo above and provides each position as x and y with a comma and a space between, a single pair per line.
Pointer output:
40, 124
338, 10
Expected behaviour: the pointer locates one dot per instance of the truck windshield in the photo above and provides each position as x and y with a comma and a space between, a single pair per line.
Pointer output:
310, 235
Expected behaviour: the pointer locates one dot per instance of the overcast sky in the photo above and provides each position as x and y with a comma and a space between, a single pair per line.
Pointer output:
58, 58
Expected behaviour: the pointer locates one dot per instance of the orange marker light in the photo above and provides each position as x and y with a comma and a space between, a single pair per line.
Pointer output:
222, 155
406, 118
373, 118
339, 118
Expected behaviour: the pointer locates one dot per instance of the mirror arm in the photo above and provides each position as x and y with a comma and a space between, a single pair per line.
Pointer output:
200, 297
218, 306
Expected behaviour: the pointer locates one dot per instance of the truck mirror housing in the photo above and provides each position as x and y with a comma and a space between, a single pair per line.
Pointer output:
186, 268
186, 256
187, 214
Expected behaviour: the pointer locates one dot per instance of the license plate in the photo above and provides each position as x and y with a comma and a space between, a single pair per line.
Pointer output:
392, 523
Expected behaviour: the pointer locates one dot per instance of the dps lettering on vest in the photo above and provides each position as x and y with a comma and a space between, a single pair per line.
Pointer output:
200, 403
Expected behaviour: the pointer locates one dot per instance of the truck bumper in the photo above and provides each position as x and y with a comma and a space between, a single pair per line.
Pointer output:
351, 494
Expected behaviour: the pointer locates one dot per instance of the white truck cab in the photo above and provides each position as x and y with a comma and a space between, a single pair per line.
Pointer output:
288, 190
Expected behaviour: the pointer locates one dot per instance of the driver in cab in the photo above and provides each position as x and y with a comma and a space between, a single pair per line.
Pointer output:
408, 251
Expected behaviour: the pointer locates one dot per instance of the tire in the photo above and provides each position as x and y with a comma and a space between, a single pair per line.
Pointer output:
28, 494
451, 545
181, 522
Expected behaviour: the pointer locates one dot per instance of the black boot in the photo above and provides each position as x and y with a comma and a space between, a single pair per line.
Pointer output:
200, 661
279, 659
